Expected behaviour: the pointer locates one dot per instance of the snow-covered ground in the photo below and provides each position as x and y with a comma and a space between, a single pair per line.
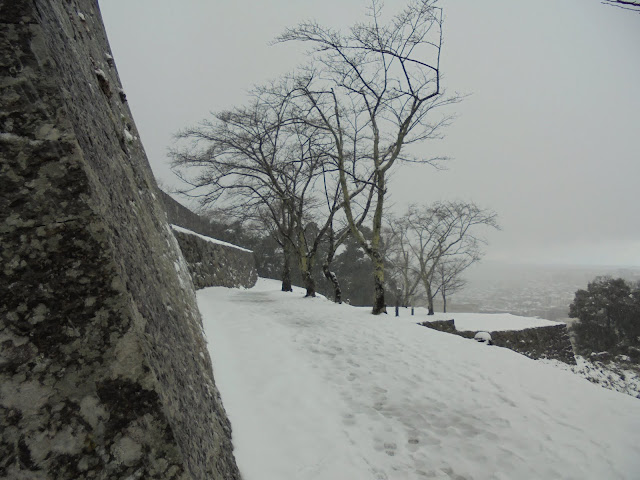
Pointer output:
489, 322
316, 390
622, 377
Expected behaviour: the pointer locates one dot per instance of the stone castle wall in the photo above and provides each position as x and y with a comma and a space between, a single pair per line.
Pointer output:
104, 371
216, 265
180, 215
210, 264
550, 342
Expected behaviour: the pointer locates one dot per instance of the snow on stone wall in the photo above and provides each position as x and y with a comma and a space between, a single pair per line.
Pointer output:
104, 371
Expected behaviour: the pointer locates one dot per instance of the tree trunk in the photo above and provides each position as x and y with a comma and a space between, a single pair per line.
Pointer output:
306, 265
444, 300
376, 255
329, 275
306, 261
286, 270
309, 283
333, 278
378, 300
430, 299
379, 305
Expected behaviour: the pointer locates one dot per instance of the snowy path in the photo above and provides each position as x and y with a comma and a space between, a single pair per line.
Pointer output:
316, 390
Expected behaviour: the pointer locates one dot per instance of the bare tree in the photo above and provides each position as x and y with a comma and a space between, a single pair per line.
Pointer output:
448, 274
402, 271
262, 164
373, 91
266, 163
441, 233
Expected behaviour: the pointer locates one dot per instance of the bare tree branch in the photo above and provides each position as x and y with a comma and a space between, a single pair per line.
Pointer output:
624, 4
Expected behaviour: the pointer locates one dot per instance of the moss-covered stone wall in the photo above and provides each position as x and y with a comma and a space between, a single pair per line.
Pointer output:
104, 371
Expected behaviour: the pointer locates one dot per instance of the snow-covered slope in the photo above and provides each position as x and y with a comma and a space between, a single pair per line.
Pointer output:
316, 390
621, 376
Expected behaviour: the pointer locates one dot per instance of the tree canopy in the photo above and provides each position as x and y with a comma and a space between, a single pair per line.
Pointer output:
608, 314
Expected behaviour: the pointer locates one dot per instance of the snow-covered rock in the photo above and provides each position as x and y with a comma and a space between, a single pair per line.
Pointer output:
483, 337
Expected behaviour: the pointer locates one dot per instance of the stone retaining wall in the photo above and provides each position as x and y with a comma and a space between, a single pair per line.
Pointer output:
215, 264
178, 214
550, 342
104, 371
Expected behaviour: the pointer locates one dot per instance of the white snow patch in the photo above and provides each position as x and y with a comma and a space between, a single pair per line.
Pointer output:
209, 239
483, 337
82, 17
316, 390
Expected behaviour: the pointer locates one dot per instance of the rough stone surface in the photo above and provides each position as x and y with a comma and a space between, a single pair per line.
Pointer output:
183, 217
104, 372
542, 342
215, 265
441, 325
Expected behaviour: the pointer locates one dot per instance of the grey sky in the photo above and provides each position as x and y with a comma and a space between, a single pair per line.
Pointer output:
549, 137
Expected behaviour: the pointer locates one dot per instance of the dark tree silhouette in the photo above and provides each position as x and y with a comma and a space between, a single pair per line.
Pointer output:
608, 314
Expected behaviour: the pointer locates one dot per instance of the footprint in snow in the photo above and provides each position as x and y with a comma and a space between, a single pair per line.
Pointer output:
390, 448
348, 419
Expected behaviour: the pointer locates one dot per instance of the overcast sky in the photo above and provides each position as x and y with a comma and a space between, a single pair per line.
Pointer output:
549, 137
